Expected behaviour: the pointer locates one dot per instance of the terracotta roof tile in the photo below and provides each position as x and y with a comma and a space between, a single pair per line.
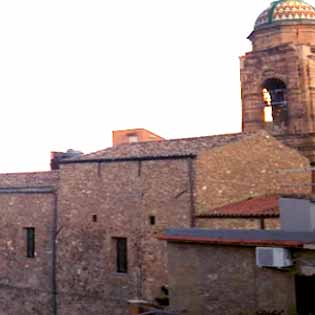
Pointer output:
164, 147
34, 179
265, 206
241, 237
232, 242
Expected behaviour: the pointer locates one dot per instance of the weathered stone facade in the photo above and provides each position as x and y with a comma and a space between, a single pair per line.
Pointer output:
255, 166
282, 52
210, 279
132, 192
27, 284
229, 223
123, 196
89, 203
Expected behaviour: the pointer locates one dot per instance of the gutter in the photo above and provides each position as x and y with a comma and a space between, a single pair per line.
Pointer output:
238, 216
191, 192
131, 159
27, 190
232, 242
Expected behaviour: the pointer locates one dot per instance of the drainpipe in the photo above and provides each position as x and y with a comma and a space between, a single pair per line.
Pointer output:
54, 256
312, 164
191, 191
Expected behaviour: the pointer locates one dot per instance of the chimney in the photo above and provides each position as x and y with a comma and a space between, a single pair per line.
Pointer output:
56, 157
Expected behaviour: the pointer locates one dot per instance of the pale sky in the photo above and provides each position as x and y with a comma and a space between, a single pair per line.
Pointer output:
71, 71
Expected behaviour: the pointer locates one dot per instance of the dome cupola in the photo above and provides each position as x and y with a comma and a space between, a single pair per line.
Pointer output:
286, 11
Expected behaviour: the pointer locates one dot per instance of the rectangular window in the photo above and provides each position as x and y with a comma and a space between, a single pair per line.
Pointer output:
132, 138
152, 219
121, 255
30, 242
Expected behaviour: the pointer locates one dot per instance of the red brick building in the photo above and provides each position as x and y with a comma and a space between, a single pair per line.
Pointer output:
134, 135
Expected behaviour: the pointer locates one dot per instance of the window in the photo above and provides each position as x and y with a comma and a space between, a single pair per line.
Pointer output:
152, 220
121, 255
133, 138
30, 242
94, 218
274, 94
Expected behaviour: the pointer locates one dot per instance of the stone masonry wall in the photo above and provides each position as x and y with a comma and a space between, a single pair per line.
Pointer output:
256, 166
229, 223
238, 223
279, 35
272, 223
218, 280
123, 196
286, 53
26, 283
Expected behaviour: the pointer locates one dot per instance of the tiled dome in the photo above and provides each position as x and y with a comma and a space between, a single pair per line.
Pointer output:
286, 10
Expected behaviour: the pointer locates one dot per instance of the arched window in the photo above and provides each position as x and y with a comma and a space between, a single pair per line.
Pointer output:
274, 92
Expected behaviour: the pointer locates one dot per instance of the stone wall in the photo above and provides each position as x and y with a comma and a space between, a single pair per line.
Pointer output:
26, 284
272, 223
124, 197
238, 223
218, 280
229, 223
286, 53
278, 35
253, 167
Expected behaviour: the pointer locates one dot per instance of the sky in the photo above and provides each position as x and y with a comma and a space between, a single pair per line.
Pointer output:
71, 71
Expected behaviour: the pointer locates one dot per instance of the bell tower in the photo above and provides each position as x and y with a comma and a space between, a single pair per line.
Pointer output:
278, 75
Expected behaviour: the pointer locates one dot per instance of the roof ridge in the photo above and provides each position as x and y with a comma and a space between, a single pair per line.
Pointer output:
147, 143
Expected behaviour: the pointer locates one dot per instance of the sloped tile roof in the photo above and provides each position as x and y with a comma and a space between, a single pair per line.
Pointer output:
264, 206
32, 179
164, 147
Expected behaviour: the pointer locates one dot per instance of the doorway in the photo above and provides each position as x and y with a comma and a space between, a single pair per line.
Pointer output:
305, 295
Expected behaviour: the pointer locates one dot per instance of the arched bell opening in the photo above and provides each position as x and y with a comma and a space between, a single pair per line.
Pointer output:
274, 93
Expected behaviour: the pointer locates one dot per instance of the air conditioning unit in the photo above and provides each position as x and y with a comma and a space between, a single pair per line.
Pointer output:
273, 257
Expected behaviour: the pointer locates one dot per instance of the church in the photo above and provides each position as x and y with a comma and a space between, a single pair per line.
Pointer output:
83, 238
278, 75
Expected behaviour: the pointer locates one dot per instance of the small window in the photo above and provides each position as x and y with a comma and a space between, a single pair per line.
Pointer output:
133, 138
121, 255
94, 218
152, 220
30, 242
